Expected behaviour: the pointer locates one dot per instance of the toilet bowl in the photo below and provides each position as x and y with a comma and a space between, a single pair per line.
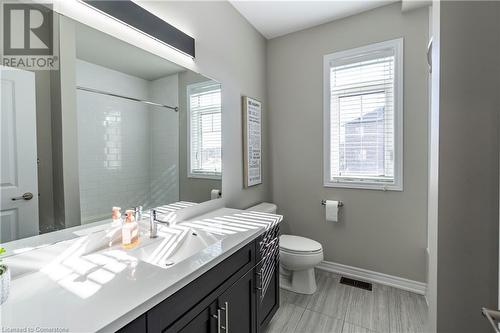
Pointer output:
298, 257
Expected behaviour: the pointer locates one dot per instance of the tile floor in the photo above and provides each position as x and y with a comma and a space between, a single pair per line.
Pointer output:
338, 308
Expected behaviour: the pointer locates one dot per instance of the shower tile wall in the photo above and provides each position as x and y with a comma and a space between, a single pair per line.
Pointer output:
118, 165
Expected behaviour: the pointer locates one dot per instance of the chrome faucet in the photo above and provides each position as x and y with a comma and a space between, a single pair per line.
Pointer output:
138, 213
153, 223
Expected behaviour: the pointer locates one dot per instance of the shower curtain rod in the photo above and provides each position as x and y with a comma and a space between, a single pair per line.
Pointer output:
175, 108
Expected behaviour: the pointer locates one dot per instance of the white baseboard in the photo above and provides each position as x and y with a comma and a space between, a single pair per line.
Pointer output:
375, 277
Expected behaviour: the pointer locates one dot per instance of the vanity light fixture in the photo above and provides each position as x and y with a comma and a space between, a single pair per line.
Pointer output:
138, 18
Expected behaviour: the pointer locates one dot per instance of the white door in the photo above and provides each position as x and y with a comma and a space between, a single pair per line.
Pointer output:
18, 179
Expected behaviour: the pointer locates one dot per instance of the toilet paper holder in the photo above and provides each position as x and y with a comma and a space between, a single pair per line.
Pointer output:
340, 203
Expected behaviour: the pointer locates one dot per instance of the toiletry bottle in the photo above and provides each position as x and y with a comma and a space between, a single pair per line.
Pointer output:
130, 231
116, 217
114, 233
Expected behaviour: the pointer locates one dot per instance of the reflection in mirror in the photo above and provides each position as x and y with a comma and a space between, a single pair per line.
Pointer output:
113, 126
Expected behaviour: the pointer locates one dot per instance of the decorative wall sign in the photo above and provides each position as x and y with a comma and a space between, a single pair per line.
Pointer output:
252, 141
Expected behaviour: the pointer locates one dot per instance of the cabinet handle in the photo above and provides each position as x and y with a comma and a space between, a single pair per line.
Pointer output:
227, 317
259, 282
218, 321
226, 311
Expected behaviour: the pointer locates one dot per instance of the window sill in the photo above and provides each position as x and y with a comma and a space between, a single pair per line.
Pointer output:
364, 186
204, 176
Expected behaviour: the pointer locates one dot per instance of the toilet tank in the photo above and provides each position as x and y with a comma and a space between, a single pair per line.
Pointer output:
264, 207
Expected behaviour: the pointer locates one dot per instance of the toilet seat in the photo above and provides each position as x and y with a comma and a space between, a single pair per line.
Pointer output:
300, 253
299, 245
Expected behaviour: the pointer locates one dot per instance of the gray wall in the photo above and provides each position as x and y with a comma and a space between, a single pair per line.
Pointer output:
190, 189
164, 130
57, 142
379, 231
231, 51
469, 105
44, 150
69, 125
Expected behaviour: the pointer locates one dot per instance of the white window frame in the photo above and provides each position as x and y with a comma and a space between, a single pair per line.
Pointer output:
190, 174
366, 183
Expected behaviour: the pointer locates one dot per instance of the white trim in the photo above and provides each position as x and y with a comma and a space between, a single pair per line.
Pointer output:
397, 185
362, 185
376, 277
203, 175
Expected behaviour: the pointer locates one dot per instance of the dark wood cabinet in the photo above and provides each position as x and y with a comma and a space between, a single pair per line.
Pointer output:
174, 312
136, 326
267, 277
237, 306
203, 321
226, 299
270, 301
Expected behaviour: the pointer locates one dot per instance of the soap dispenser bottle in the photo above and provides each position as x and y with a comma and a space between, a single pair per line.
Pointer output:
114, 233
116, 217
130, 231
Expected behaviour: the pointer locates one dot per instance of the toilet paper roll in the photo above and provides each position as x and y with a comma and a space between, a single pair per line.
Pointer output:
332, 210
214, 194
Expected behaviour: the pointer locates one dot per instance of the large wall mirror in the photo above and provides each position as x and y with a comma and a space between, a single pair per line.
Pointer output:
114, 126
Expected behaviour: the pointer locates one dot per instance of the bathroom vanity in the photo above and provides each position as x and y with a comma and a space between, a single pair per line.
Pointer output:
234, 296
228, 298
219, 274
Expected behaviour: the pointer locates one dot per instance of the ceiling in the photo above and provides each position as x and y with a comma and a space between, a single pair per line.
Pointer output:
278, 18
120, 56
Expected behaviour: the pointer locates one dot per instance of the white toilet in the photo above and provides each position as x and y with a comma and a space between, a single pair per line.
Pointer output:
298, 257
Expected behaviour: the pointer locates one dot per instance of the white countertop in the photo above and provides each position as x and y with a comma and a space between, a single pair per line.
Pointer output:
85, 295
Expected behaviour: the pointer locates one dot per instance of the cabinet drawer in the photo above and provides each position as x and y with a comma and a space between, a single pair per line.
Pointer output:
167, 312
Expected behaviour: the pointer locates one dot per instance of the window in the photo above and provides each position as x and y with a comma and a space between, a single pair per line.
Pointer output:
363, 114
205, 135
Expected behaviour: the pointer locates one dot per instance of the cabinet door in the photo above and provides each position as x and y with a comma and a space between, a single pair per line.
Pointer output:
267, 282
236, 306
204, 321
202, 291
270, 302
136, 326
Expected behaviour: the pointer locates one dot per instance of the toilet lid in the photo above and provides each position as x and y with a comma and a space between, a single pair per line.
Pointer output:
299, 244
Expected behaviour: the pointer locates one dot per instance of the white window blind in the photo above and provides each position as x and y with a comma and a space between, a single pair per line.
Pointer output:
205, 130
364, 117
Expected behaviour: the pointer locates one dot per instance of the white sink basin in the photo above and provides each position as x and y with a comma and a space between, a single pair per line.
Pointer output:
174, 245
